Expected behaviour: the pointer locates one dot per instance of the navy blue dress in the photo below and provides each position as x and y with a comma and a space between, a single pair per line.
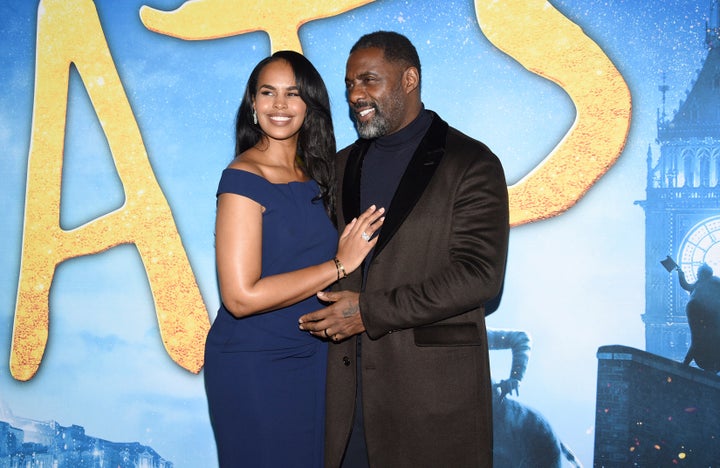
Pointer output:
264, 377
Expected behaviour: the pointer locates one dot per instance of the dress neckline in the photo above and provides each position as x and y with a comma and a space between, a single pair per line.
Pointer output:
268, 181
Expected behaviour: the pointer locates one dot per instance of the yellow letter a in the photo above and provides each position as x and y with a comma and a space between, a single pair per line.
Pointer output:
68, 32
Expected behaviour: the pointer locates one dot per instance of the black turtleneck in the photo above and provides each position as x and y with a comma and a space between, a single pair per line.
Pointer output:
386, 160
382, 168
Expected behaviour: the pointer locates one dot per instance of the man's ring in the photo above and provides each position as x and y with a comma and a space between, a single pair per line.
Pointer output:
326, 333
365, 236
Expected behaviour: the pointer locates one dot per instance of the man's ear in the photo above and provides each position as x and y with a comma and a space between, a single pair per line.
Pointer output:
411, 80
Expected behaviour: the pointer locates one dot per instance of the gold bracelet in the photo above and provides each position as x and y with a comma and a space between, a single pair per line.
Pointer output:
340, 269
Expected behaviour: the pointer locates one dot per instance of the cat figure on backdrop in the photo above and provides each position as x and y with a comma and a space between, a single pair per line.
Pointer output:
703, 316
522, 437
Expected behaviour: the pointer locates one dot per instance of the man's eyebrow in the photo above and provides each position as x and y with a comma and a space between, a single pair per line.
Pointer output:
361, 75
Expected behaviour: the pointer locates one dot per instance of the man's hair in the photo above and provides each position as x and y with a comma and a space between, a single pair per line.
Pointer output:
395, 46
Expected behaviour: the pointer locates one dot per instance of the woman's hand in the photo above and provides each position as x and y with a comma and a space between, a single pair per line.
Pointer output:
358, 238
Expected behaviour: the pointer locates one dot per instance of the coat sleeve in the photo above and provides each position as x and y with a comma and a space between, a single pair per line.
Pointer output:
477, 251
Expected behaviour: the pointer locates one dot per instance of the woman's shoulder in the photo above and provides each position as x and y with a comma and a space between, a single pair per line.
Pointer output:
246, 163
243, 178
246, 166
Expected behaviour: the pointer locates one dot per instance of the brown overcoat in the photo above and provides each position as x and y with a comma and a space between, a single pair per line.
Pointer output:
440, 256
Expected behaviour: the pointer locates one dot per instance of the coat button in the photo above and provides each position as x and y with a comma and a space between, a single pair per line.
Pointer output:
346, 361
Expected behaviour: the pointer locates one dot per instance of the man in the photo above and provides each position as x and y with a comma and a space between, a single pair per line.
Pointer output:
419, 393
703, 316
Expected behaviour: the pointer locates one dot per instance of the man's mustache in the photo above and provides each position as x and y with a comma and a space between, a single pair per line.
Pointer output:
360, 104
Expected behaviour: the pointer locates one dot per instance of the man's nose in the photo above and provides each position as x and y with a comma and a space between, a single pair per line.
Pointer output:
355, 94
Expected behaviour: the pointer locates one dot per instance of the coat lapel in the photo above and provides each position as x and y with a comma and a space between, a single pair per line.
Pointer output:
412, 185
415, 179
351, 180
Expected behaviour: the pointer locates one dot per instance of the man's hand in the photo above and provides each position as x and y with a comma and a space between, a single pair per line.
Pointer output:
340, 320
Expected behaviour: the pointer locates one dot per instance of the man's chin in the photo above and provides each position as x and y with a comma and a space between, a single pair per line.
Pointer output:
368, 131
364, 134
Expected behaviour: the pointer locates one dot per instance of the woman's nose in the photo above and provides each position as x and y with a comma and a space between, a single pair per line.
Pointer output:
279, 102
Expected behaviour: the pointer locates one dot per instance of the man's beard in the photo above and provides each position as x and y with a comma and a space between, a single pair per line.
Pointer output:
384, 121
374, 128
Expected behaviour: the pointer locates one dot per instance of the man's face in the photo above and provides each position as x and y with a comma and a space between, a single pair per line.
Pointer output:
375, 93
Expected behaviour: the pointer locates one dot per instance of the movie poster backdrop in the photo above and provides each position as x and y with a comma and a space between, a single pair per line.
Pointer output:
117, 118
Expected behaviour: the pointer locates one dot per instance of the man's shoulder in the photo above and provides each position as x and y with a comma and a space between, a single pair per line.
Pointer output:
458, 137
455, 138
466, 151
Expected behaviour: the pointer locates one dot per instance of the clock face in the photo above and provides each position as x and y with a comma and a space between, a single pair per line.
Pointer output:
701, 245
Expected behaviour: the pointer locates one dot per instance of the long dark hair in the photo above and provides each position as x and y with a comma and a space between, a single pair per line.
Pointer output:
316, 139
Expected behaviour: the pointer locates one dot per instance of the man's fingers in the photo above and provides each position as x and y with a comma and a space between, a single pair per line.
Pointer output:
328, 296
308, 318
322, 313
341, 319
316, 328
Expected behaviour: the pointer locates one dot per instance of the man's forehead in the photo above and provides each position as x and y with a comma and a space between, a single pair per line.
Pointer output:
369, 60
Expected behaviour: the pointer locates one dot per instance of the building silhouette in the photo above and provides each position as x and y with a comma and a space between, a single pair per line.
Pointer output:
682, 208
26, 443
653, 411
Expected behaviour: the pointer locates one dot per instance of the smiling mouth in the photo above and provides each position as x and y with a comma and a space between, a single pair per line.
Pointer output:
365, 113
279, 118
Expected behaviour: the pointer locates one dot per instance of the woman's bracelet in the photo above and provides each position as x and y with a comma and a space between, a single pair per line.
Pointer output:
340, 269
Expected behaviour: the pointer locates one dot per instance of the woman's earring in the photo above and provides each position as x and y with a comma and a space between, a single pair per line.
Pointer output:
254, 117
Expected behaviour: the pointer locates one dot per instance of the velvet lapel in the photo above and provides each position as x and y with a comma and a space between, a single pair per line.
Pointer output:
351, 180
416, 178
412, 185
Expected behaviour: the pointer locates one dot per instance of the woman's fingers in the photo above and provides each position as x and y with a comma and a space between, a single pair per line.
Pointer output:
358, 238
368, 223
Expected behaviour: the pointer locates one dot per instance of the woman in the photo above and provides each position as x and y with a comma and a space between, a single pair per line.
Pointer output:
276, 247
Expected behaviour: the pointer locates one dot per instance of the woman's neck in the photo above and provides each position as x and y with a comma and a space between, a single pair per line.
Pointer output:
277, 160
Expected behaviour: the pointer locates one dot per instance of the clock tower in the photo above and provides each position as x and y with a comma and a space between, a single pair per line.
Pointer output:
682, 209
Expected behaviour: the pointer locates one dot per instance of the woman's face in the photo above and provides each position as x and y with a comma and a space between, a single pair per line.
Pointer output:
280, 110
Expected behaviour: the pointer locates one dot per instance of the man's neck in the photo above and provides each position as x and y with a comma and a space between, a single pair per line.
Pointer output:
413, 130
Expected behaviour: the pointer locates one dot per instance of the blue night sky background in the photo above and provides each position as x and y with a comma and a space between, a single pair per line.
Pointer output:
574, 282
